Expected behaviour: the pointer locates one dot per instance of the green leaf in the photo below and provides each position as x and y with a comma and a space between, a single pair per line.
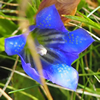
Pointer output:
2, 44
38, 3
85, 20
7, 27
31, 11
81, 4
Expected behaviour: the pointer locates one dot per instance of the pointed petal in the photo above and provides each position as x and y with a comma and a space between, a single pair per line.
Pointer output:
61, 74
29, 70
77, 41
13, 45
49, 18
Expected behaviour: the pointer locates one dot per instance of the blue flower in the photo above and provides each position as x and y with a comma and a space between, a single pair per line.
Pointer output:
57, 48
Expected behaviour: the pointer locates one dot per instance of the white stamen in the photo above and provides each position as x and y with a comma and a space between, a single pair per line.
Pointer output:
41, 50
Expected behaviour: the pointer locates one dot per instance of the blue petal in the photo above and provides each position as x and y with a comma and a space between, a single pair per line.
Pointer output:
29, 70
61, 74
77, 41
13, 45
50, 18
67, 44
68, 57
58, 73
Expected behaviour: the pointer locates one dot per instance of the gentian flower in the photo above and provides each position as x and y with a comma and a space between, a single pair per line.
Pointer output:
57, 48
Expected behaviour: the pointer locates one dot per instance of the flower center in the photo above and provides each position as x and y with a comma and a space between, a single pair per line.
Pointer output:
41, 50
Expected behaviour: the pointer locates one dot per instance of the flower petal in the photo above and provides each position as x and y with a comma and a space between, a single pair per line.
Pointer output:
29, 70
61, 74
77, 41
13, 45
69, 57
50, 18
